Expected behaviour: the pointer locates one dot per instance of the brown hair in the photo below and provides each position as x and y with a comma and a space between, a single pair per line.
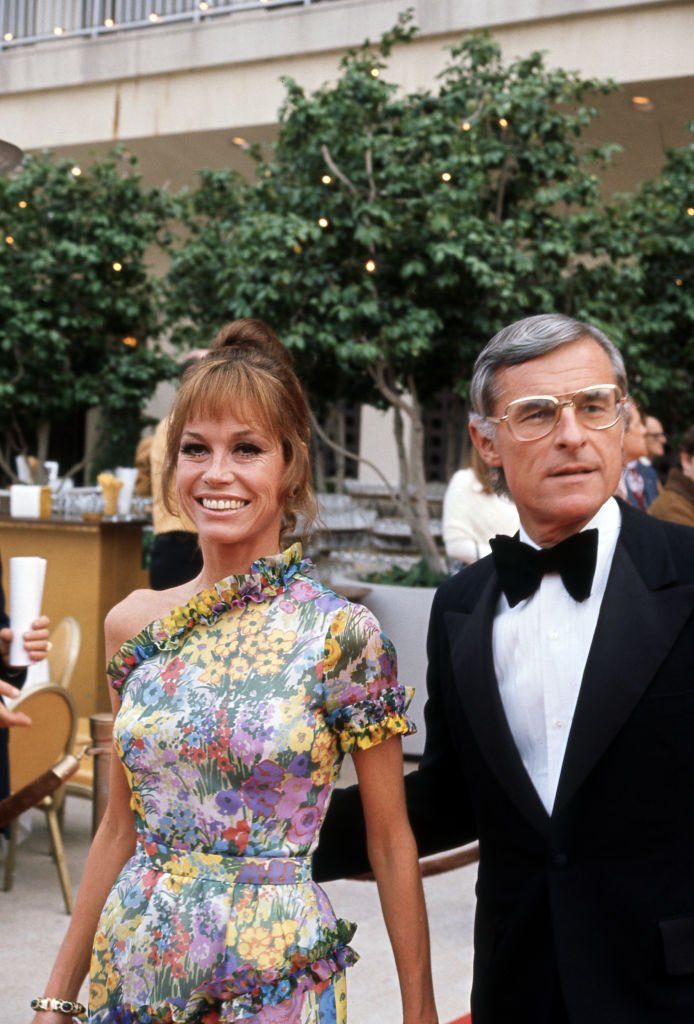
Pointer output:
249, 371
686, 445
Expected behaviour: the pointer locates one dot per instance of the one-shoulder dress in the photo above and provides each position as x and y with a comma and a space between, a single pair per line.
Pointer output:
237, 710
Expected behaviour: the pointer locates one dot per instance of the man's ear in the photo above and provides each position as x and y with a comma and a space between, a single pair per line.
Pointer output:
486, 446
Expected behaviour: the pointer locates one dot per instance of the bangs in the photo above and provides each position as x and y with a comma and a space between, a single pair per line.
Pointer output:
228, 389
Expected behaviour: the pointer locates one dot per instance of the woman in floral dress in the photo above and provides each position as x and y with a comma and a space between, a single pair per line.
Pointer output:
236, 698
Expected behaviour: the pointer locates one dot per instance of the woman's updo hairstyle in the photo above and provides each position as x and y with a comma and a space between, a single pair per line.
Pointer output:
249, 372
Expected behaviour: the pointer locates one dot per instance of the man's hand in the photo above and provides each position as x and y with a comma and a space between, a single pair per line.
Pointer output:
36, 642
8, 717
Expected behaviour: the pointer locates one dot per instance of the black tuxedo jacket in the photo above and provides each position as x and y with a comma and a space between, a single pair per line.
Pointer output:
601, 893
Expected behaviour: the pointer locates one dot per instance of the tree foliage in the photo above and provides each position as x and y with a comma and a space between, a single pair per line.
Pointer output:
648, 278
78, 304
390, 234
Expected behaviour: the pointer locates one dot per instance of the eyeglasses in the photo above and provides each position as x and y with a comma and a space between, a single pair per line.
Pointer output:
598, 407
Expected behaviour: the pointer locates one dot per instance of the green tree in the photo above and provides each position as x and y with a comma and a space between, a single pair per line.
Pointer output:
643, 285
78, 303
390, 234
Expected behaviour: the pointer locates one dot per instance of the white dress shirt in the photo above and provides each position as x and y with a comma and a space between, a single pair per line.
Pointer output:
540, 650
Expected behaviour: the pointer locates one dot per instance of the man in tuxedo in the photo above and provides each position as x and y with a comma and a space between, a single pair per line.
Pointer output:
560, 713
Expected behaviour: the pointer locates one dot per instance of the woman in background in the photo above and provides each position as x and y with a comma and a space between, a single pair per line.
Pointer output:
473, 513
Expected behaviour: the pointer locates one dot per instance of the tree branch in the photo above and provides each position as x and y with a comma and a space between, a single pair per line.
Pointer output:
377, 374
369, 161
336, 170
356, 458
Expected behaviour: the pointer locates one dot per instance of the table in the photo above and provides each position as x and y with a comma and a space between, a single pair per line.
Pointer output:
91, 567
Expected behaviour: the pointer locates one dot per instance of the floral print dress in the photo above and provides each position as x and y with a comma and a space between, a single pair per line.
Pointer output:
237, 710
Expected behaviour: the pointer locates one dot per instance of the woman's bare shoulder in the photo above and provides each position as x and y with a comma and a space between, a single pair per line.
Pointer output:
130, 616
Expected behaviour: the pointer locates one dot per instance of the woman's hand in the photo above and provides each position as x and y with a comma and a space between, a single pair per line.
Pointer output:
36, 641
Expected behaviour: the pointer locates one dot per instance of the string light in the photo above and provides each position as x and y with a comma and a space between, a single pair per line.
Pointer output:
238, 140
446, 176
22, 204
375, 72
690, 211
76, 171
503, 123
642, 103
8, 37
9, 239
154, 17
129, 341
466, 126
679, 282
326, 179
297, 248
58, 31
109, 23
203, 5
323, 222
370, 266
117, 266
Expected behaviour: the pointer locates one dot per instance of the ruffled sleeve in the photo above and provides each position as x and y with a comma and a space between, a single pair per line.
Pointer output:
364, 702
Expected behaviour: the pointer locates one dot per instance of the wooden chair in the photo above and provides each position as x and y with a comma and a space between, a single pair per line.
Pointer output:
66, 639
34, 750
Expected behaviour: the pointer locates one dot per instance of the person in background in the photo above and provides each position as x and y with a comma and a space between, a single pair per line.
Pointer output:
559, 715
675, 503
236, 697
143, 480
37, 646
174, 553
656, 442
639, 484
473, 513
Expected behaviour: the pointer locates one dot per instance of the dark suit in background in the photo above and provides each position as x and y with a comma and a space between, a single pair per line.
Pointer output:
15, 676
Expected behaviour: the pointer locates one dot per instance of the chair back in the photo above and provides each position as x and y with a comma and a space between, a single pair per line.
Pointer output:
36, 748
66, 639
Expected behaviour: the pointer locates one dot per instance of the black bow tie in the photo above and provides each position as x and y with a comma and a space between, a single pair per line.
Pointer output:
520, 567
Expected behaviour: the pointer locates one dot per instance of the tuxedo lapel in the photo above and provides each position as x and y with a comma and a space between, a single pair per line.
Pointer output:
470, 638
635, 631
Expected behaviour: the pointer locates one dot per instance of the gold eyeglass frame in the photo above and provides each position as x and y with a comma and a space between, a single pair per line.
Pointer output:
560, 402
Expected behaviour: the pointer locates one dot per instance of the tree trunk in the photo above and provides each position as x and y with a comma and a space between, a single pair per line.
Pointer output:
43, 436
413, 489
340, 436
319, 465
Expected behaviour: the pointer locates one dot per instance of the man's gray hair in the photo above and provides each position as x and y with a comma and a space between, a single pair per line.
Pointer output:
523, 340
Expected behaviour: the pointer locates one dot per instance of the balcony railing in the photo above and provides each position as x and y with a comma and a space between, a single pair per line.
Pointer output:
23, 22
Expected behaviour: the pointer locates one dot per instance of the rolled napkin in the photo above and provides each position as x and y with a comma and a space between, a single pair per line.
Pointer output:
110, 488
128, 475
27, 576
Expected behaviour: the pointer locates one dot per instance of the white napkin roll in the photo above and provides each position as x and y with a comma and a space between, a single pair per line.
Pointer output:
27, 575
125, 496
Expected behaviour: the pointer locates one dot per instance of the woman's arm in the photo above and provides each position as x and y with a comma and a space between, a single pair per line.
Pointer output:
393, 858
111, 847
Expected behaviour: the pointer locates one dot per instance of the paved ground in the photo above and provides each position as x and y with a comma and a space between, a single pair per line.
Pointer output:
33, 921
